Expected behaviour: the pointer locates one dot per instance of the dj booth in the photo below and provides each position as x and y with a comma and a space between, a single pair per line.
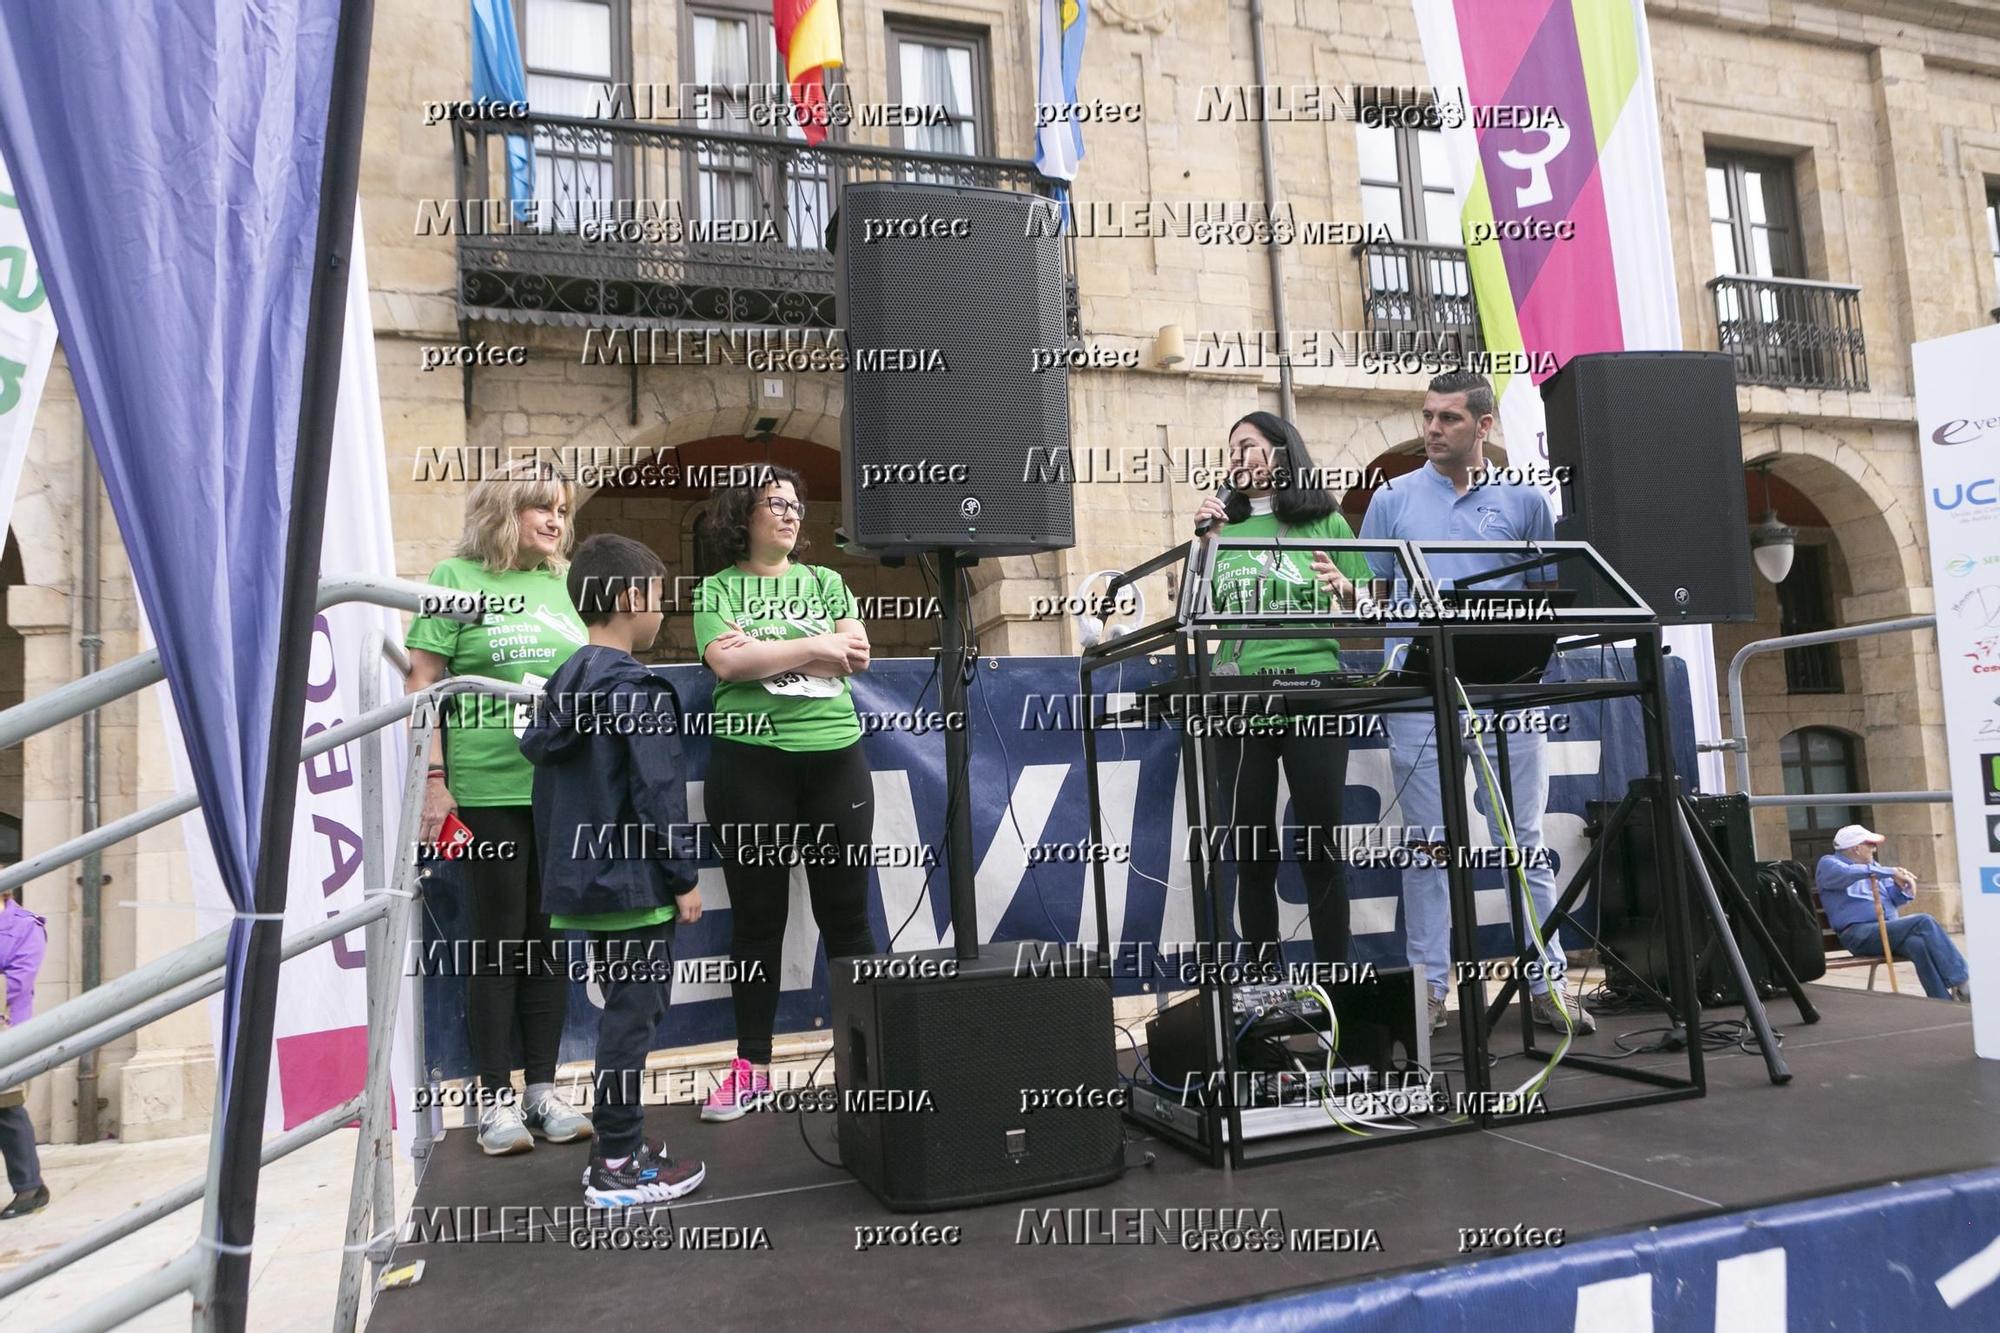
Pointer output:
1472, 652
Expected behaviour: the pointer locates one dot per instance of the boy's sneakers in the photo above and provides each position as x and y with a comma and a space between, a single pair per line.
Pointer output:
555, 1119
647, 1176
501, 1133
744, 1090
653, 1146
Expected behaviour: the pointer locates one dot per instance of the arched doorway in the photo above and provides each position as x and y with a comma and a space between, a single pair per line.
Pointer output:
665, 505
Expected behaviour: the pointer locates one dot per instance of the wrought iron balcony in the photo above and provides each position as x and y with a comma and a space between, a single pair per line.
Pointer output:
638, 225
1791, 332
1418, 296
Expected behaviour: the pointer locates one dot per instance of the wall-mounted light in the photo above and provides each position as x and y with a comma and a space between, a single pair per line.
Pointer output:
1170, 346
1772, 544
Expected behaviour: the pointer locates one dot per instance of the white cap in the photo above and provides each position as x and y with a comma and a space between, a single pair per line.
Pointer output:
1853, 835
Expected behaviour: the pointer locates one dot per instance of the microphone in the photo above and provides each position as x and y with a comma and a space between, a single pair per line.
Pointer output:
1223, 495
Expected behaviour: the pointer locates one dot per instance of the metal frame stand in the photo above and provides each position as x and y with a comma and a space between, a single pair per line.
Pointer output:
1189, 634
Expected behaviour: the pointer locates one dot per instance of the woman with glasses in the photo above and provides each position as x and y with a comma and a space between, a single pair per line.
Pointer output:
787, 783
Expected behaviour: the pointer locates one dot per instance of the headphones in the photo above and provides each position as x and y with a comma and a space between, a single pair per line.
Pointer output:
1130, 600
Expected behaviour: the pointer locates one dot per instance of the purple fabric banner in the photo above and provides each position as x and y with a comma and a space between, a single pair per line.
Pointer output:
167, 159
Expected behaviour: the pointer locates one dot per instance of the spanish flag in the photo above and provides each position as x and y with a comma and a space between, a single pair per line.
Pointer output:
808, 33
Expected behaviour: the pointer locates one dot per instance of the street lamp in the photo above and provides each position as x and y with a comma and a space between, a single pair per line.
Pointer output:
1772, 544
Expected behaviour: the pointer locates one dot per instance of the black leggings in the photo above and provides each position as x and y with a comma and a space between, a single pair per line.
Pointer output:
1246, 801
516, 976
761, 799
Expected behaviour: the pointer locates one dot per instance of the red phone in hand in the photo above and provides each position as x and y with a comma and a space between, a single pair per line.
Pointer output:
453, 837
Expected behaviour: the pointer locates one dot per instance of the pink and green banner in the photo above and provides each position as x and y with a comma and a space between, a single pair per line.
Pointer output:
1563, 206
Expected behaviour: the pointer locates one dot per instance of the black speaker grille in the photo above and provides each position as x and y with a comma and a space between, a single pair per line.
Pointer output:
954, 273
1654, 449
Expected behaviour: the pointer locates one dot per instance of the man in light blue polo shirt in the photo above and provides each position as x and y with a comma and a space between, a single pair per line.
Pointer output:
1441, 502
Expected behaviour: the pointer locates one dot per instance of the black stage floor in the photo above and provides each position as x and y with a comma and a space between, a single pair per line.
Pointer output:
1884, 1088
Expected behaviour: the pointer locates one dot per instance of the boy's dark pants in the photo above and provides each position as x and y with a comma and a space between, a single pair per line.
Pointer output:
635, 970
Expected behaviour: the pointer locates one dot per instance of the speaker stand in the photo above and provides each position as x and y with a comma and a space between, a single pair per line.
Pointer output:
955, 670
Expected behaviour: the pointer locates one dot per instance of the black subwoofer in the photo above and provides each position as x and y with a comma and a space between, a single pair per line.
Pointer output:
949, 1074
956, 425
1653, 449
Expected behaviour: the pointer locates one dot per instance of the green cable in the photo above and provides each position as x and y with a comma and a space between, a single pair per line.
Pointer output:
1533, 1086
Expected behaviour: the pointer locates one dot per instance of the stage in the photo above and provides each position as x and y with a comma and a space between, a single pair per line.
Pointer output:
1885, 1088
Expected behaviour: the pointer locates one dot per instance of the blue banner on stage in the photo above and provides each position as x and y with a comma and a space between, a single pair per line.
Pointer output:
1920, 1255
1028, 792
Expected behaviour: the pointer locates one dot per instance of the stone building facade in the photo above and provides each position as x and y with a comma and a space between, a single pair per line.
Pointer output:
1857, 143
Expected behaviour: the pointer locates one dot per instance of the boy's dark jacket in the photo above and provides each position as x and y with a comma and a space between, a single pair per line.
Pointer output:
610, 796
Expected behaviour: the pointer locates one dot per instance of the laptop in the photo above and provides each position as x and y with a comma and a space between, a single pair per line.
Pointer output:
1496, 659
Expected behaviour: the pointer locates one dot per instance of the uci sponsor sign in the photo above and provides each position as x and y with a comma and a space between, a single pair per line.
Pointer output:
1979, 494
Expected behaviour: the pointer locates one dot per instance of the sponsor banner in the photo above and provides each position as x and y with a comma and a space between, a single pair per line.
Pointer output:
1958, 437
27, 345
1031, 836
1919, 1255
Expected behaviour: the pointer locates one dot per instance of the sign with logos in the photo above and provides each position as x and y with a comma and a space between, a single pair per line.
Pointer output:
1031, 841
1958, 437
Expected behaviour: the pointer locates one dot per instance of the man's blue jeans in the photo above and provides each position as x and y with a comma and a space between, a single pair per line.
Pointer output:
1426, 897
1921, 940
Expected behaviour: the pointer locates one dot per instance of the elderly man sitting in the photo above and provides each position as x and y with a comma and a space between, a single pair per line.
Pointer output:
1851, 886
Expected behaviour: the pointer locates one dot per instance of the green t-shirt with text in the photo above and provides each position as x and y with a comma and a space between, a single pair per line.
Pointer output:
528, 631
1277, 580
791, 711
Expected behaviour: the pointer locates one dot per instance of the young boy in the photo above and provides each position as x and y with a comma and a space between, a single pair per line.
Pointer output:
611, 815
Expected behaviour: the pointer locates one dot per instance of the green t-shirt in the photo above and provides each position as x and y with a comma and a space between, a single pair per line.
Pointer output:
636, 919
1280, 580
523, 643
792, 711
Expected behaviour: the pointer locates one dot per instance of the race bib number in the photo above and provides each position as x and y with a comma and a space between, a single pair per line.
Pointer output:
801, 686
524, 713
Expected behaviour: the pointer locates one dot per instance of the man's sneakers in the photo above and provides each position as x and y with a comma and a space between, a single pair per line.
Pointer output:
743, 1090
647, 1176
1961, 992
1548, 1016
27, 1201
501, 1131
1437, 1012
554, 1119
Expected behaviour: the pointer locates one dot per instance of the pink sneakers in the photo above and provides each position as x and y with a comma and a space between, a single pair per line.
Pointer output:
743, 1090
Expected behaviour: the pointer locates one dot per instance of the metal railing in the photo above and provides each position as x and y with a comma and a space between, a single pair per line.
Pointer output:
1418, 297
643, 225
1791, 332
188, 974
1738, 740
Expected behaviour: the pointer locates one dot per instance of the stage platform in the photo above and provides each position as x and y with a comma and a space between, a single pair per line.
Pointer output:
1885, 1088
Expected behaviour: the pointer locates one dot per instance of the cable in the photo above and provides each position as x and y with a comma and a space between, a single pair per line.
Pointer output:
812, 1079
1498, 805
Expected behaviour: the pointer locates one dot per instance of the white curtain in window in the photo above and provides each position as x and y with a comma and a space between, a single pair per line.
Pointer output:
573, 36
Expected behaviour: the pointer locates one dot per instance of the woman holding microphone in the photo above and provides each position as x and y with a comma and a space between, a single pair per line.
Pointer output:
787, 782
513, 549
1275, 492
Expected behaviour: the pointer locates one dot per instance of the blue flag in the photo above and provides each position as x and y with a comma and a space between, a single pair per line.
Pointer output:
498, 75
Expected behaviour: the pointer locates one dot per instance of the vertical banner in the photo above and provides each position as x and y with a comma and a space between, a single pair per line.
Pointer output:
1958, 434
27, 345
1563, 208
320, 1047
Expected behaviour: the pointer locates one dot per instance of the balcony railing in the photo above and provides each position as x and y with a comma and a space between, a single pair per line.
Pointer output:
1418, 296
637, 225
1791, 332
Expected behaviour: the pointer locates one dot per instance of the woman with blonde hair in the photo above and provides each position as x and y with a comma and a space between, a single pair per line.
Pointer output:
514, 549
